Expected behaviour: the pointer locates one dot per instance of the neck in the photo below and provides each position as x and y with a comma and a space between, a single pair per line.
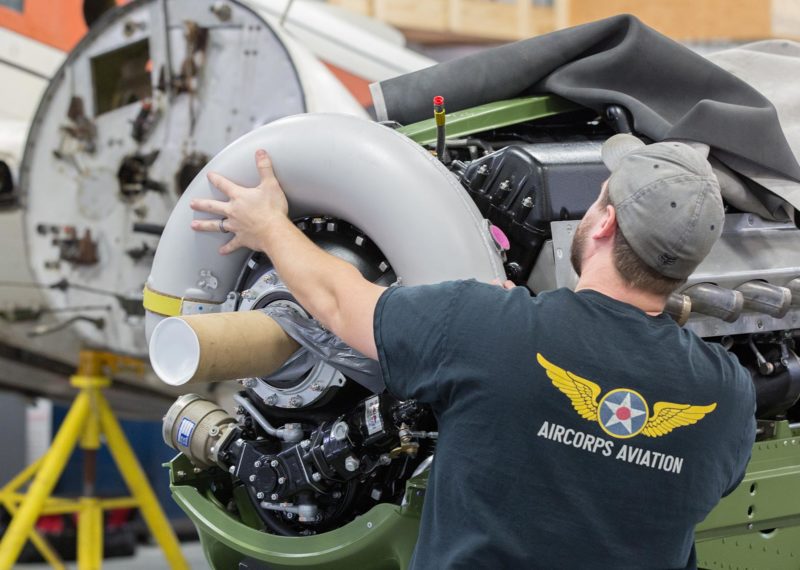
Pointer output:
610, 283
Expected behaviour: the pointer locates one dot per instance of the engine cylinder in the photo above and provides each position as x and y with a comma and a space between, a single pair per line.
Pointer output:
766, 298
709, 299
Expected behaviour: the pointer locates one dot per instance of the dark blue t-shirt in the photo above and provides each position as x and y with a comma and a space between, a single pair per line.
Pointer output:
575, 431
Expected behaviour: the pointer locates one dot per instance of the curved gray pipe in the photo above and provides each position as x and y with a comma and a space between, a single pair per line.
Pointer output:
412, 207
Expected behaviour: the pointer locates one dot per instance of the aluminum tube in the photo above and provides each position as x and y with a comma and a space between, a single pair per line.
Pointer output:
256, 415
349, 168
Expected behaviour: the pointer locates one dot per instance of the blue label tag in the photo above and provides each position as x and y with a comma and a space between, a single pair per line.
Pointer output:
185, 432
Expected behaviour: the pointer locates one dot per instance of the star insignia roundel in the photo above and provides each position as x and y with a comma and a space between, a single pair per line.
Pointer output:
622, 413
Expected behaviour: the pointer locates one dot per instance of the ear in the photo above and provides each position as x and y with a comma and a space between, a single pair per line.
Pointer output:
607, 227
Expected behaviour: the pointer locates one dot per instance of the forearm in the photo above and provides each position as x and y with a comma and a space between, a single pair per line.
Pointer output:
332, 290
316, 278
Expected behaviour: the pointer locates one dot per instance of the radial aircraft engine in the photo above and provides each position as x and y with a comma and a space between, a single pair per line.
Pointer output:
136, 110
317, 468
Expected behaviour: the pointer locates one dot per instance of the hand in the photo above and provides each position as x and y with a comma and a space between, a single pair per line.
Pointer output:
248, 211
507, 284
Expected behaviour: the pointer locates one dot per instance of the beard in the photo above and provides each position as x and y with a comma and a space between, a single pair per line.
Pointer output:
578, 246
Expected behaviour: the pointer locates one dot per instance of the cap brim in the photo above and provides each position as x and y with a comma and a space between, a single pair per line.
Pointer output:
617, 147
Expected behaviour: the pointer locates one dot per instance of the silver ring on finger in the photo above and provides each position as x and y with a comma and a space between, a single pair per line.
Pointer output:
222, 226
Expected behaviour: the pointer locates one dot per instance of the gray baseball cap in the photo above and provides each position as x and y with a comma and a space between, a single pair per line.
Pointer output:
667, 200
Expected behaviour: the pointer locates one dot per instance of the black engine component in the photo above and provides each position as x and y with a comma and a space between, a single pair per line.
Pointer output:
306, 478
522, 188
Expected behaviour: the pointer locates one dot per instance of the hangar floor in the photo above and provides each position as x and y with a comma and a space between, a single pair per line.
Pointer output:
149, 557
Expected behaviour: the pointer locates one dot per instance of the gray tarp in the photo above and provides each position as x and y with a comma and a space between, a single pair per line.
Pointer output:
773, 68
672, 92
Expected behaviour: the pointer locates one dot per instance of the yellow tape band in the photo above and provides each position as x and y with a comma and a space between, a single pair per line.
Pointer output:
162, 304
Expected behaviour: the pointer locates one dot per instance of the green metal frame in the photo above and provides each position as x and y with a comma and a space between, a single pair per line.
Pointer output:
381, 539
490, 116
757, 526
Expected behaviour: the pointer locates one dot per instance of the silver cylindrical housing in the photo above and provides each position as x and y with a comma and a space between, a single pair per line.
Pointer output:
197, 428
763, 297
794, 287
709, 299
679, 307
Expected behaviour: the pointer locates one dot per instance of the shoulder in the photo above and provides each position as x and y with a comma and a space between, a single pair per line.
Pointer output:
723, 373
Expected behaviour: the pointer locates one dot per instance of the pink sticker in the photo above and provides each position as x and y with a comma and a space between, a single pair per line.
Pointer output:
500, 238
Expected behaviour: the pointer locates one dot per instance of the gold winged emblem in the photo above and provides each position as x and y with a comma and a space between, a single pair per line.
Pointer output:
627, 412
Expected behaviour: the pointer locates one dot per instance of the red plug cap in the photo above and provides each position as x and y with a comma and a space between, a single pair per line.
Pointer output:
438, 100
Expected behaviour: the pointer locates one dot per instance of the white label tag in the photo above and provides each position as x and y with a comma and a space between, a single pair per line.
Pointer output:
372, 415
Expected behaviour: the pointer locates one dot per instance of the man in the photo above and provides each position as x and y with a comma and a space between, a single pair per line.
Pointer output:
577, 429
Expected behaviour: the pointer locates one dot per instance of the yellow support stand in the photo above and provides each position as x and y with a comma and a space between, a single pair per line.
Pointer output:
90, 417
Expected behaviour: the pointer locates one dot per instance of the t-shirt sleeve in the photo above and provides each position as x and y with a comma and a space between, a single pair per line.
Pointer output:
410, 327
746, 396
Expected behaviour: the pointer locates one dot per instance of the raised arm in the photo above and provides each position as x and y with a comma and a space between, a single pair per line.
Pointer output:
332, 290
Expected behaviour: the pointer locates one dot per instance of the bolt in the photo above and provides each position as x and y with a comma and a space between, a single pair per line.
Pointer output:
749, 526
340, 431
281, 480
505, 185
240, 442
376, 494
271, 400
351, 463
316, 476
316, 387
290, 516
181, 474
257, 464
336, 494
369, 525
527, 202
273, 463
274, 496
259, 495
247, 383
232, 469
295, 401
196, 470
213, 430
252, 478
268, 278
305, 443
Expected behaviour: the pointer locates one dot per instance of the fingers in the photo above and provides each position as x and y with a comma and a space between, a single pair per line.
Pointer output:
210, 226
223, 184
507, 284
264, 165
231, 246
210, 206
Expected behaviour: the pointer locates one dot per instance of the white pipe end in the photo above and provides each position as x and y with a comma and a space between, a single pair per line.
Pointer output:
174, 351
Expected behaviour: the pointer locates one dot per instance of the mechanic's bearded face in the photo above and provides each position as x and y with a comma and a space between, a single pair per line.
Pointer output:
579, 244
581, 238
